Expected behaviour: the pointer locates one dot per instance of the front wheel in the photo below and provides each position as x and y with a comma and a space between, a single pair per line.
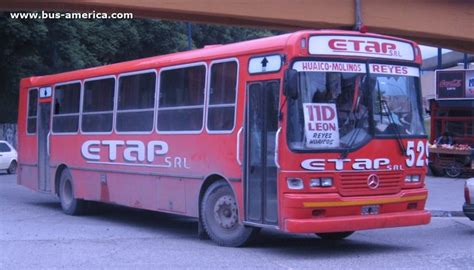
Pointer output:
220, 217
334, 235
12, 168
69, 204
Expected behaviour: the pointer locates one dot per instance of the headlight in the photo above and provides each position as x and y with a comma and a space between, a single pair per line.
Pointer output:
295, 183
412, 178
320, 182
315, 182
326, 182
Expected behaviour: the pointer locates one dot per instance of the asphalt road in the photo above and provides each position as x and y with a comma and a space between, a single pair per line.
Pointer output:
445, 195
34, 234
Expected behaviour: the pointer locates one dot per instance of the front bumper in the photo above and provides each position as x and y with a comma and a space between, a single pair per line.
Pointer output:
468, 210
357, 223
311, 213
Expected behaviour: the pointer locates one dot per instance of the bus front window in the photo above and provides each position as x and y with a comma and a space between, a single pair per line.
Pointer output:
331, 112
396, 106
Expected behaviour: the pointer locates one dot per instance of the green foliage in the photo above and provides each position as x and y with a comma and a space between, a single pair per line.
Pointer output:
204, 34
41, 47
19, 54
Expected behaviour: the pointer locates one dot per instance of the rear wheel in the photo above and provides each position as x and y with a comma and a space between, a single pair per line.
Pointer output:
69, 204
454, 170
220, 217
12, 168
334, 236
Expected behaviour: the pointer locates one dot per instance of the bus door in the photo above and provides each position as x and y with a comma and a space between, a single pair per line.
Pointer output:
261, 124
44, 119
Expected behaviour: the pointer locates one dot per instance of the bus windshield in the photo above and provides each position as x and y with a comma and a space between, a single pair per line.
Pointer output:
344, 110
395, 106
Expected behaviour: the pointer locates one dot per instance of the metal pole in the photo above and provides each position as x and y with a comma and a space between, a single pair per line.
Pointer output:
440, 58
190, 37
358, 16
466, 64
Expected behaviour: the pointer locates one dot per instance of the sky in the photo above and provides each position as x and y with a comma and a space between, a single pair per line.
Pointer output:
428, 52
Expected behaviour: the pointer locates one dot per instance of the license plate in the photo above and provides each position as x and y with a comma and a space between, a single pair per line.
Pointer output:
370, 210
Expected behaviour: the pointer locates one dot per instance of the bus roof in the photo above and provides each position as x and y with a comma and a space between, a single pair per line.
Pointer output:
250, 47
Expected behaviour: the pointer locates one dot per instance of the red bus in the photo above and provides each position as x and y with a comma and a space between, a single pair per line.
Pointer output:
309, 132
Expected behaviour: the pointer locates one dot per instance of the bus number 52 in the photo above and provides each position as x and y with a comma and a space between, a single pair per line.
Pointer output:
416, 155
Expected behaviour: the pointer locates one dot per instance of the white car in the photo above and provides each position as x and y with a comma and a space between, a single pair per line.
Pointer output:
468, 207
8, 157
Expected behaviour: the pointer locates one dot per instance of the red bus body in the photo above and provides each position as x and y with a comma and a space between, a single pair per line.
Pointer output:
176, 181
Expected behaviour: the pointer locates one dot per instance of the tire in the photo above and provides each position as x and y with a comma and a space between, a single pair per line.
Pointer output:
220, 217
334, 236
12, 168
454, 170
69, 204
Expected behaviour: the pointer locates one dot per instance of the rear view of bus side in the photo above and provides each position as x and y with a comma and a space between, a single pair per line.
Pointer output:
310, 132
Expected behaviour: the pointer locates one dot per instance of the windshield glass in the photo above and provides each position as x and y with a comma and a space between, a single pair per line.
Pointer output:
340, 106
396, 106
330, 112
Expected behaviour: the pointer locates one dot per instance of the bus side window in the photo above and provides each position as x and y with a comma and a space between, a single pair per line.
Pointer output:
136, 102
222, 96
181, 99
98, 105
32, 111
66, 108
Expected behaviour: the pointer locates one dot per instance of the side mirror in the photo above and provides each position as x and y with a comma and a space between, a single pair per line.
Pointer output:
291, 84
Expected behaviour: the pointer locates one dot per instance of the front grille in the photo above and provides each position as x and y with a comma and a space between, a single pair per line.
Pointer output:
355, 184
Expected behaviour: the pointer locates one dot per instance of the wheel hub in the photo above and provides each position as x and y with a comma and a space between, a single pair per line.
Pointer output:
225, 212
454, 170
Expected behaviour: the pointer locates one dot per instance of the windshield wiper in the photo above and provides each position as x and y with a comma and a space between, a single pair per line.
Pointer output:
355, 134
393, 125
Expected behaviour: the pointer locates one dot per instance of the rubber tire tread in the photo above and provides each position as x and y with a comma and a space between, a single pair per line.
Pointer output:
10, 170
459, 165
244, 235
77, 207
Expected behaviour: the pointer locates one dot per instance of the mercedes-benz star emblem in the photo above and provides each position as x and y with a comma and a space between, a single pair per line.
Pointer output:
373, 181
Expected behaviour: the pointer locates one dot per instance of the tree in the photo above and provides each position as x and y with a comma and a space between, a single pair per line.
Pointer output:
42, 47
207, 34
